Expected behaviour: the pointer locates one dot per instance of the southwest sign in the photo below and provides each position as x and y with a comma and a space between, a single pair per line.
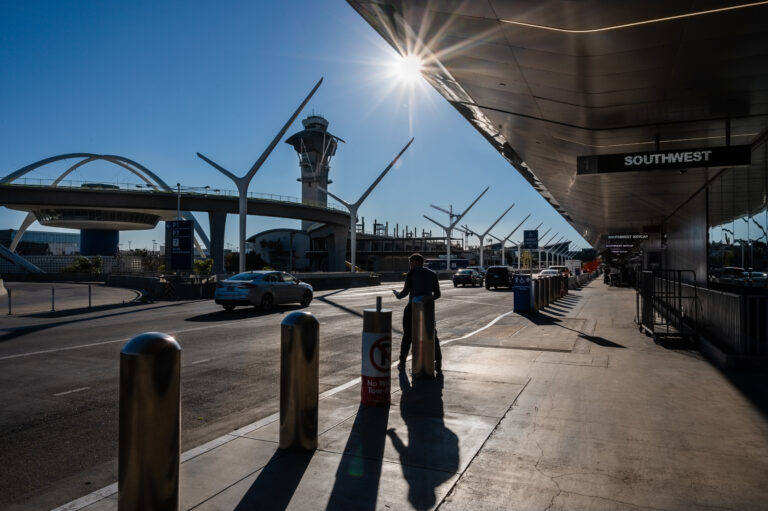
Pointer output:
729, 156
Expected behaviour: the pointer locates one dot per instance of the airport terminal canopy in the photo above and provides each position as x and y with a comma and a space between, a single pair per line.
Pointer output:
549, 81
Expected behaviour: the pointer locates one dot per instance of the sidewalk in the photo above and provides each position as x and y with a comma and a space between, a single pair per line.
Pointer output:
569, 409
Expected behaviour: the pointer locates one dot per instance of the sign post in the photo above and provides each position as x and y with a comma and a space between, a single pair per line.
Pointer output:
376, 370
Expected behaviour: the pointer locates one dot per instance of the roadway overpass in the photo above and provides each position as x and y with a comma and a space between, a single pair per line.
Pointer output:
25, 197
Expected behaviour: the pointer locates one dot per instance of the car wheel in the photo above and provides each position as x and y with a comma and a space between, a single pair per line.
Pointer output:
488, 288
229, 307
455, 285
307, 298
267, 302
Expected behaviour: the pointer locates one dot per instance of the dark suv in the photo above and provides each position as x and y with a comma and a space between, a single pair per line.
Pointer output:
499, 276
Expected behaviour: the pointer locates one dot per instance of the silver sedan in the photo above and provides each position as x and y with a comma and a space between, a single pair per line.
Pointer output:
263, 289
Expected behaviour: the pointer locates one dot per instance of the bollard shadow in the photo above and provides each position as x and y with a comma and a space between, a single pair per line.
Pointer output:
324, 299
357, 478
430, 444
244, 312
273, 489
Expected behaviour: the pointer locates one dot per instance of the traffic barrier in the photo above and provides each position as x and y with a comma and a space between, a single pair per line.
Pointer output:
299, 381
423, 331
376, 370
149, 425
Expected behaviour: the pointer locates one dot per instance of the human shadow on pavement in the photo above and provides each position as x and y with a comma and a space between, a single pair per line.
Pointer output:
274, 487
357, 477
431, 455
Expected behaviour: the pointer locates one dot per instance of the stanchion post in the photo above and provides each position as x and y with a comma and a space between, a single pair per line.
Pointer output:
53, 308
376, 356
89, 296
10, 299
149, 430
423, 337
299, 381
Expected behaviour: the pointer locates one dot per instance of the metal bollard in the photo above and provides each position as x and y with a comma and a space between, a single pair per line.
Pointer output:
148, 451
423, 341
89, 296
10, 291
52, 301
299, 381
376, 370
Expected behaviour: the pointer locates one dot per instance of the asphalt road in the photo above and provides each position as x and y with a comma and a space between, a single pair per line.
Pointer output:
59, 375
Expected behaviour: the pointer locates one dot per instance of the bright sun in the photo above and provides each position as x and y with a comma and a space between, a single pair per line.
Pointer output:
409, 68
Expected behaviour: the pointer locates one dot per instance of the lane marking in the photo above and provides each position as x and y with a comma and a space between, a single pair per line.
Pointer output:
71, 391
126, 339
200, 361
111, 490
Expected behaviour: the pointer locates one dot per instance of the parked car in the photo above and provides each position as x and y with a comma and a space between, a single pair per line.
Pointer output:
563, 270
479, 269
262, 289
549, 273
499, 276
756, 278
731, 275
467, 276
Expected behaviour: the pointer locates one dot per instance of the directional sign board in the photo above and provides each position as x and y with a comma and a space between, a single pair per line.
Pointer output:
178, 245
531, 239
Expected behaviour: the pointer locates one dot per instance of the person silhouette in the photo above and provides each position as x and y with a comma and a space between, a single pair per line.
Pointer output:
419, 281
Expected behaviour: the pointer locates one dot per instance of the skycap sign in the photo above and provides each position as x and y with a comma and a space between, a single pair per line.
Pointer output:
729, 156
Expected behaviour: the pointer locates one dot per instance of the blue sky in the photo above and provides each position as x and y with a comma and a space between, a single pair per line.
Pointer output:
157, 82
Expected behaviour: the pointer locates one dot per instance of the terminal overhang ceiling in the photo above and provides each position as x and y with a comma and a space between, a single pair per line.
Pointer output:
548, 81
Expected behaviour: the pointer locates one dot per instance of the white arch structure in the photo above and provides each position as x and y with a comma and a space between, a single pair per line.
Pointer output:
137, 169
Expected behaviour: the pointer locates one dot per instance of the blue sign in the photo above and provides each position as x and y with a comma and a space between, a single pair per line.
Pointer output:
178, 245
521, 286
521, 281
531, 239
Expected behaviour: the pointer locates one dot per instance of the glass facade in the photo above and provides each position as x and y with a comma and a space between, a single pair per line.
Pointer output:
738, 225
42, 242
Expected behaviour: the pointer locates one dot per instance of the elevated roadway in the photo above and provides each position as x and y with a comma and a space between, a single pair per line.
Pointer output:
25, 197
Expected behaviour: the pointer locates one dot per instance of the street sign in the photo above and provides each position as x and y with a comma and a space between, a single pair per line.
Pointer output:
531, 239
178, 245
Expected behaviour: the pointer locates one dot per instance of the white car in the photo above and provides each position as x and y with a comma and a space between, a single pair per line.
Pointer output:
549, 273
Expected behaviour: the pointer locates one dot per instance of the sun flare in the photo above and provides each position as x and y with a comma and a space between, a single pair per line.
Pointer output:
409, 68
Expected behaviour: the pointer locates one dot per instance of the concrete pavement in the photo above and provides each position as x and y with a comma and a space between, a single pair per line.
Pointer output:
571, 408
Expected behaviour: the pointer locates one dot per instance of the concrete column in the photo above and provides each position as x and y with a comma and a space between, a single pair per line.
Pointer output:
337, 248
217, 222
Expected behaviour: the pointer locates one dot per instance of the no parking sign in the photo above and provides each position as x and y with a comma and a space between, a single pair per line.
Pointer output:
376, 357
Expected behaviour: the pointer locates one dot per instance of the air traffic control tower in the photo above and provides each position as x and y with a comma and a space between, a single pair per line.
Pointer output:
315, 147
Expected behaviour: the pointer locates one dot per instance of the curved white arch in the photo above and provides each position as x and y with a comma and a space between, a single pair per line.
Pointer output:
135, 168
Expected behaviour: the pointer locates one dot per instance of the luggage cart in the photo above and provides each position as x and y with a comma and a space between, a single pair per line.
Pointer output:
665, 308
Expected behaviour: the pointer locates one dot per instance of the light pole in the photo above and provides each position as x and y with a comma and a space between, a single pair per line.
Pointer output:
354, 206
178, 201
547, 243
243, 182
507, 238
481, 237
451, 225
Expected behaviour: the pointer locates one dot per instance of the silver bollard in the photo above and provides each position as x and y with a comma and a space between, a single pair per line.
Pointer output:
423, 337
299, 381
376, 356
149, 446
89, 296
10, 300
52, 301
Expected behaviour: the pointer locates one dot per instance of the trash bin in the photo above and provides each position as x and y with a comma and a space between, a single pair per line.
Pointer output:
522, 290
